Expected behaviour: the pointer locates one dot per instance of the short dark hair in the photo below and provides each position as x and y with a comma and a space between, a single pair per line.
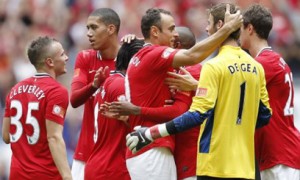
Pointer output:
38, 50
126, 52
260, 18
218, 13
152, 18
108, 16
186, 37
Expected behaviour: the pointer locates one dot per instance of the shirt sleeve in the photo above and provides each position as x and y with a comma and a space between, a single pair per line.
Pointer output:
57, 104
264, 111
181, 105
81, 89
164, 59
207, 90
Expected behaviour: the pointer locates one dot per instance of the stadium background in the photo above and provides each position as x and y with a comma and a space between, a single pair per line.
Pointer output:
23, 20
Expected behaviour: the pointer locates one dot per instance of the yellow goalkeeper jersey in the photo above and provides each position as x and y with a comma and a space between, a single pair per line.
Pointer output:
232, 89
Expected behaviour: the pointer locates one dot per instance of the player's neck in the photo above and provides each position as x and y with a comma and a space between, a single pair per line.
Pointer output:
257, 46
50, 73
111, 51
230, 42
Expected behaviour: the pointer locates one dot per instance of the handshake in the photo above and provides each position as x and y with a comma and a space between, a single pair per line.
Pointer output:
136, 140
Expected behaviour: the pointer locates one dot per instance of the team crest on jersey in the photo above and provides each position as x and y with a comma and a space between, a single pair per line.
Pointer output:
59, 111
135, 61
121, 98
202, 92
167, 52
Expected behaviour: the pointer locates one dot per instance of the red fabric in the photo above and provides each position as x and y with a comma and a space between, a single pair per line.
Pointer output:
186, 142
279, 141
39, 98
81, 93
146, 73
159, 115
86, 66
107, 160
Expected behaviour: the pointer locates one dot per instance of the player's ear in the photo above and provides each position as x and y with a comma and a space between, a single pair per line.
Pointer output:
154, 31
220, 24
111, 29
250, 28
49, 61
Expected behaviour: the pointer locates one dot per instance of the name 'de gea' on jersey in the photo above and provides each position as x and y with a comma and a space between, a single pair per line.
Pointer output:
242, 67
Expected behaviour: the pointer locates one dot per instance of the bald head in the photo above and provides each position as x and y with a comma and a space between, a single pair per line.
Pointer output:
186, 38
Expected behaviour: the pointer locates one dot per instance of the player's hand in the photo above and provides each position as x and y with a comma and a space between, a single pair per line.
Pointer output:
137, 139
104, 110
124, 108
182, 82
100, 76
234, 21
129, 37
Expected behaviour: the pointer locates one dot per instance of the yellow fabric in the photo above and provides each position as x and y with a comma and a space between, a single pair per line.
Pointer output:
227, 144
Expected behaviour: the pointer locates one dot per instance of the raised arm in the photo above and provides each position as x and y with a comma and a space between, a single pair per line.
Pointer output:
204, 48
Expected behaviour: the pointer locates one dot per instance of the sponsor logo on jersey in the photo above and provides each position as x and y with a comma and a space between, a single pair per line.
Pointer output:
59, 111
201, 92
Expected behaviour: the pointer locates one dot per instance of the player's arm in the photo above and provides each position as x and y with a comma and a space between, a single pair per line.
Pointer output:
81, 89
201, 109
264, 111
5, 130
144, 136
157, 114
58, 148
204, 48
183, 82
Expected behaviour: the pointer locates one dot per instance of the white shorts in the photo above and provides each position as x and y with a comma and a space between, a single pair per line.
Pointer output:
77, 170
280, 172
154, 164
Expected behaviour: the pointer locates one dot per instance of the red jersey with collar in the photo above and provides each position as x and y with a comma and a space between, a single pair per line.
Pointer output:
86, 65
107, 160
186, 142
145, 87
279, 141
28, 105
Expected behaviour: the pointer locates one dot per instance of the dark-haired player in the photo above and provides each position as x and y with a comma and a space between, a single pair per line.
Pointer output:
89, 73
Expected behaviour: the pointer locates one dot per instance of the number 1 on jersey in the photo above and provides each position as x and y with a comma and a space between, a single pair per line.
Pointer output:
241, 105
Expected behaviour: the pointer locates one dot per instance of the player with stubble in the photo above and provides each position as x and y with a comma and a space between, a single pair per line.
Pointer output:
230, 102
277, 145
144, 84
34, 116
91, 68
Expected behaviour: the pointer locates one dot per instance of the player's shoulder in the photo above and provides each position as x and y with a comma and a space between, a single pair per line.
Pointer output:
53, 85
88, 54
115, 78
24, 81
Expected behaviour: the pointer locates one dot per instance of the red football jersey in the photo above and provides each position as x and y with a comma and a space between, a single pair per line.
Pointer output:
28, 105
87, 63
279, 141
186, 142
107, 160
145, 87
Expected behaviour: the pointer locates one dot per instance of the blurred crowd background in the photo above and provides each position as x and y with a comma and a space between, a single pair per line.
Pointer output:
23, 20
